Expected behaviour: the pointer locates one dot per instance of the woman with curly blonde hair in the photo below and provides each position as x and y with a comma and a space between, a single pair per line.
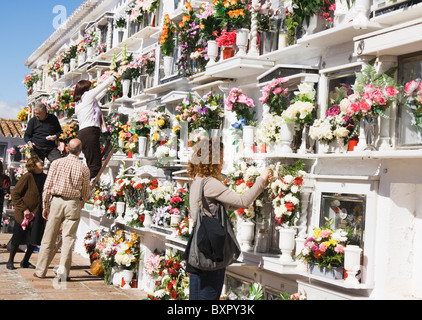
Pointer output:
206, 164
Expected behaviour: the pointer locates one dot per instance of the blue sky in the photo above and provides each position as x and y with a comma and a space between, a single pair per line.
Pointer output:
24, 26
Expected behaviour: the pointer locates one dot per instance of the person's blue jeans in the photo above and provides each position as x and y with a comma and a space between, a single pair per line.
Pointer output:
207, 285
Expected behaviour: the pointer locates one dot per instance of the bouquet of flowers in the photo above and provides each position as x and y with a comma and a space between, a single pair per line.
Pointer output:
114, 123
102, 197
148, 61
141, 7
325, 247
335, 125
373, 93
300, 109
413, 100
209, 22
179, 202
167, 35
268, 130
128, 253
183, 229
119, 187
106, 248
139, 124
91, 37
23, 114
69, 132
188, 111
210, 112
265, 15
275, 96
159, 121
243, 106
171, 279
234, 13
30, 80
226, 39
90, 244
11, 151
19, 172
285, 192
241, 180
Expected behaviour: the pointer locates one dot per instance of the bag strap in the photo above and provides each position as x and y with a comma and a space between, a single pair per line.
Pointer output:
202, 201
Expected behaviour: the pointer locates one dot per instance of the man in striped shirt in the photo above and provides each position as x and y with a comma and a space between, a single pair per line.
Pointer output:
66, 190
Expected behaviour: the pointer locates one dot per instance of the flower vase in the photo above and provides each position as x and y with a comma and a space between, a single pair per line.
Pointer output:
90, 52
370, 125
142, 146
175, 220
242, 39
127, 276
126, 87
107, 275
286, 136
227, 52
287, 243
73, 64
148, 219
212, 52
246, 234
120, 34
168, 66
248, 138
66, 68
323, 271
120, 208
352, 264
81, 58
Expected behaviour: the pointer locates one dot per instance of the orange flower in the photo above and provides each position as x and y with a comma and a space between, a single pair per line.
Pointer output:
181, 24
186, 18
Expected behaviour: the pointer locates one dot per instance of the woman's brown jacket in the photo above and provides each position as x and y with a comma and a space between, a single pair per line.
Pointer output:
25, 195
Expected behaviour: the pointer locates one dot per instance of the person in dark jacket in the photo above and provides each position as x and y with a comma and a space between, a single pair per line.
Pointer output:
43, 131
29, 222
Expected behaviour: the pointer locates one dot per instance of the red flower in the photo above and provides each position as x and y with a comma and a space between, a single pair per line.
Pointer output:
241, 211
141, 218
298, 181
289, 206
249, 184
239, 182
177, 265
174, 295
318, 254
173, 272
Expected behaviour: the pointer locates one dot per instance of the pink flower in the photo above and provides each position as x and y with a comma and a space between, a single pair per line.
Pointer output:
364, 106
325, 233
391, 91
339, 248
323, 247
410, 87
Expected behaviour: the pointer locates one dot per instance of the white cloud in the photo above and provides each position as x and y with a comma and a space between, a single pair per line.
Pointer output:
10, 110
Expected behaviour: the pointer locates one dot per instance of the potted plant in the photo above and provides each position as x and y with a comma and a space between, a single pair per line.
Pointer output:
226, 41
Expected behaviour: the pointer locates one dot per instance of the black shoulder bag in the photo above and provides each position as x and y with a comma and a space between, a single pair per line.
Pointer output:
212, 244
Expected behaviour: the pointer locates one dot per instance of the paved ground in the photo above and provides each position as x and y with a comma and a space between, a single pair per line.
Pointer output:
20, 284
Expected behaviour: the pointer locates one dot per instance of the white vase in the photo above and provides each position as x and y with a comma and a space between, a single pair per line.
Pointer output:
126, 87
66, 68
286, 136
175, 220
142, 146
246, 234
352, 264
120, 208
242, 38
81, 58
127, 276
90, 52
168, 66
212, 52
287, 243
148, 219
248, 138
72, 64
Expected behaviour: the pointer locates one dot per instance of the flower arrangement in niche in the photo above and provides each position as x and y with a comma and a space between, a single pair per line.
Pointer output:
242, 105
240, 180
191, 44
268, 130
210, 112
141, 8
128, 253
139, 124
227, 38
325, 247
233, 13
265, 15
167, 36
373, 92
170, 278
187, 110
29, 81
183, 229
413, 100
209, 23
91, 37
159, 121
23, 114
336, 124
275, 96
120, 22
69, 132
285, 190
301, 107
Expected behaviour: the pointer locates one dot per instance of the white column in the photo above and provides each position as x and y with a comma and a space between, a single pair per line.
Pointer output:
253, 50
109, 33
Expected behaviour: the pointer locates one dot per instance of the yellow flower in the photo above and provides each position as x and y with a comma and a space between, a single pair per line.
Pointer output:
161, 122
176, 128
156, 136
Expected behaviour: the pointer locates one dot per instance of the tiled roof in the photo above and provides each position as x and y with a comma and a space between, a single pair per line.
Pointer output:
11, 128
